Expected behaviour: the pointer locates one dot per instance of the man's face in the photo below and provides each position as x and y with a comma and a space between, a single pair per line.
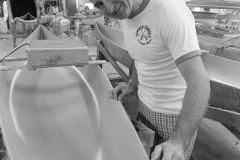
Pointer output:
118, 9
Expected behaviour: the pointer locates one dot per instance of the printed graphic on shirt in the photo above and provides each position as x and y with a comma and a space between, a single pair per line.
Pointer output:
143, 35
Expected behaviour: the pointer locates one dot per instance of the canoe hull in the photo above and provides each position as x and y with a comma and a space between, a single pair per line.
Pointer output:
63, 113
114, 43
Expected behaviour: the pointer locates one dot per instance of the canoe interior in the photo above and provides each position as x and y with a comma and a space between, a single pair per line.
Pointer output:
63, 113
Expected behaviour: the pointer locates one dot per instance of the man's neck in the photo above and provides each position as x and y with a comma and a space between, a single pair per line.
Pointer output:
138, 7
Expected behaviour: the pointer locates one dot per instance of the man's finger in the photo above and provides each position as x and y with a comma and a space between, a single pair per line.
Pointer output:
157, 152
177, 157
167, 155
111, 94
115, 92
124, 93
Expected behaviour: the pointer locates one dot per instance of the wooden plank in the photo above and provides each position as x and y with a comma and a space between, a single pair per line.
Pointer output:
112, 61
225, 86
202, 30
203, 14
208, 39
11, 59
221, 51
224, 96
10, 68
113, 41
214, 4
223, 116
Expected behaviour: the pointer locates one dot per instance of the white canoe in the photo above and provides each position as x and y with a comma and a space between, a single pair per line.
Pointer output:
226, 4
113, 41
63, 113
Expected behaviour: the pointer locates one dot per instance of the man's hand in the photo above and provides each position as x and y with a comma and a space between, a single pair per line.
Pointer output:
169, 150
121, 90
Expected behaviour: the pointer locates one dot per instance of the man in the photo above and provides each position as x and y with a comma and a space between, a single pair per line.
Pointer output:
0, 11
5, 14
47, 7
174, 87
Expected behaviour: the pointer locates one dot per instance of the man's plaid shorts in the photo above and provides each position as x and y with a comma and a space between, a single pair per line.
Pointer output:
162, 124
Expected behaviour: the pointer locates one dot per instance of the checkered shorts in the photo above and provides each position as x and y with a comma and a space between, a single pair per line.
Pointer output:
162, 124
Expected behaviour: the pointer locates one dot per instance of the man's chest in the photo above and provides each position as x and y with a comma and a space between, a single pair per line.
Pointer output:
144, 43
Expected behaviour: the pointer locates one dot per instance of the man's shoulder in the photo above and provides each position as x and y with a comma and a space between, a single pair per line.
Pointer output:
162, 5
168, 7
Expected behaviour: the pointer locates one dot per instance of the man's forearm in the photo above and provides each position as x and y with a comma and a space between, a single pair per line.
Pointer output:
133, 72
194, 107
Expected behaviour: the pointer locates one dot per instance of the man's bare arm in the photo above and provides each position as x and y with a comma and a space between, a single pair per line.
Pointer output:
195, 101
133, 75
194, 107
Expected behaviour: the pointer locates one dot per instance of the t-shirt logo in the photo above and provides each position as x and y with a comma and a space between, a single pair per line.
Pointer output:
143, 35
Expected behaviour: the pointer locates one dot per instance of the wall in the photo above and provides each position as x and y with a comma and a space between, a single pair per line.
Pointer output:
71, 7
21, 7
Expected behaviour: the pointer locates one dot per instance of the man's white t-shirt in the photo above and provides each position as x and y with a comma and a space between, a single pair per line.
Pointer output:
157, 38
